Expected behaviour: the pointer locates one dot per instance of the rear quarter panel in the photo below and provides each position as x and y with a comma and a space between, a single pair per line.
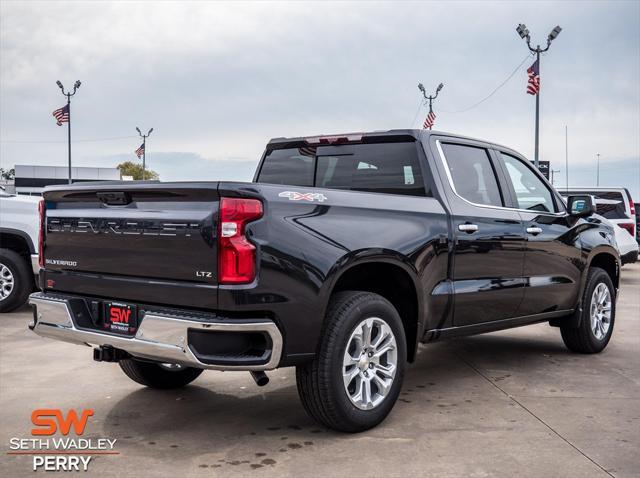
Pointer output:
305, 245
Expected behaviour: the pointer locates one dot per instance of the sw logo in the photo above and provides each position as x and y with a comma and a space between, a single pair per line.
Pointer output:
120, 316
49, 421
297, 196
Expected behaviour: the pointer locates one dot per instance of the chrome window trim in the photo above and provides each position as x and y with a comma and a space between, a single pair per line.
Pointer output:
488, 206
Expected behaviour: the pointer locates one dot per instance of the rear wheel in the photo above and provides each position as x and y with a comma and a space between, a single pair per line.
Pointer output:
356, 377
159, 375
598, 315
16, 280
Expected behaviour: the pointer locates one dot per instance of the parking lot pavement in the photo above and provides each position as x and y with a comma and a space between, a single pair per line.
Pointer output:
512, 403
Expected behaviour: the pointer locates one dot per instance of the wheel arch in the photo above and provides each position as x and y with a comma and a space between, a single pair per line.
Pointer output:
385, 273
605, 258
17, 241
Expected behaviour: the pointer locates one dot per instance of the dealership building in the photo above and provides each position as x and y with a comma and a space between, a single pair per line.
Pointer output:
31, 180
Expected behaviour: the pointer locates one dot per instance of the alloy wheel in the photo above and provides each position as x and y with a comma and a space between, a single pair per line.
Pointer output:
600, 311
369, 364
6, 282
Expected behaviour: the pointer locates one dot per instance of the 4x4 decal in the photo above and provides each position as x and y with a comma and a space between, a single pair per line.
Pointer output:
297, 196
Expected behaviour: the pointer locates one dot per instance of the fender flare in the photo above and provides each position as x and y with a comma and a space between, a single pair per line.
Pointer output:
374, 256
602, 249
575, 319
22, 235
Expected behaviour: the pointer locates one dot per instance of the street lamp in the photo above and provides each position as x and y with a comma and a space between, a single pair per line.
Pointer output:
144, 148
430, 98
69, 94
524, 33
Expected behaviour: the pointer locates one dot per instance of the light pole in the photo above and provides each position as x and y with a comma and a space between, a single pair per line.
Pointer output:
144, 148
523, 31
68, 94
598, 170
431, 116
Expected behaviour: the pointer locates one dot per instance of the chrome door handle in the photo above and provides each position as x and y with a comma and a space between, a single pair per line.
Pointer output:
534, 230
468, 228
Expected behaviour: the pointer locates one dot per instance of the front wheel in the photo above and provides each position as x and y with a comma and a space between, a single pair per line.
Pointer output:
356, 377
159, 375
598, 315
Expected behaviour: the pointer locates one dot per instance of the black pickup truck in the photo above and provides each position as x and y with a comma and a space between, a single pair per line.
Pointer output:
340, 257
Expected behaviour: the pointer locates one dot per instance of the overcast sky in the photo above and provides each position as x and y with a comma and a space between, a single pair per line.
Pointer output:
217, 80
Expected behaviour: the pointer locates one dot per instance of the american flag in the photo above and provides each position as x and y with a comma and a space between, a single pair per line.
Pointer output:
533, 85
140, 151
430, 120
61, 115
308, 151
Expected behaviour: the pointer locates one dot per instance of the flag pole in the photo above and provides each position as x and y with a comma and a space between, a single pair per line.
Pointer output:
69, 135
69, 94
430, 97
566, 155
144, 149
536, 161
523, 31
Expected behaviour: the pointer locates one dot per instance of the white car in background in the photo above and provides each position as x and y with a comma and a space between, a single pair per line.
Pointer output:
614, 204
626, 243
19, 242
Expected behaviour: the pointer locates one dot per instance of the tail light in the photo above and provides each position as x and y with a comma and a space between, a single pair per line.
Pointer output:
629, 226
41, 213
236, 255
632, 207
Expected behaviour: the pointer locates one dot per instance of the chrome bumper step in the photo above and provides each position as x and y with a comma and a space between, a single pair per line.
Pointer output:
159, 337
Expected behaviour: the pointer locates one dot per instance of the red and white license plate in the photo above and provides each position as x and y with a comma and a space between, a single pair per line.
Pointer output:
120, 318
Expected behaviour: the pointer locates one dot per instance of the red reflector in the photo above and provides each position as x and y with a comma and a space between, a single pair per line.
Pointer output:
236, 255
632, 207
630, 227
41, 213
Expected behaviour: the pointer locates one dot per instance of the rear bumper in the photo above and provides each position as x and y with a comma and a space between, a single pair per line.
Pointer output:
160, 337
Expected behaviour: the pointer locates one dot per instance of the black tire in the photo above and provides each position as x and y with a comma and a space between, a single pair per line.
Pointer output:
583, 339
155, 375
23, 280
320, 382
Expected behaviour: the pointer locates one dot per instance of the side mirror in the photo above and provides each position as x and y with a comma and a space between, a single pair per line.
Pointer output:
581, 206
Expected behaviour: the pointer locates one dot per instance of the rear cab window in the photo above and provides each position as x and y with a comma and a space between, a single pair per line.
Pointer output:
390, 168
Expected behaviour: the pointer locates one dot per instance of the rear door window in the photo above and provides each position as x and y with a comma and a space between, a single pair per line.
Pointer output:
391, 168
472, 173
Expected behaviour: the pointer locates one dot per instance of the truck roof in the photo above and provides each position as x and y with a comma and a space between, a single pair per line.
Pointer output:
358, 137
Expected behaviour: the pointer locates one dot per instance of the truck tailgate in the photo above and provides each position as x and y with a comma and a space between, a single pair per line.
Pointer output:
149, 230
